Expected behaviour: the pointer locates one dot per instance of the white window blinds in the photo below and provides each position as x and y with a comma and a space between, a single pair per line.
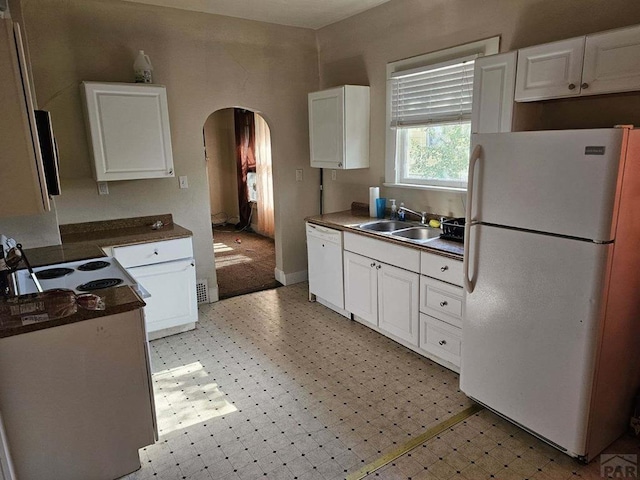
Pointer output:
439, 93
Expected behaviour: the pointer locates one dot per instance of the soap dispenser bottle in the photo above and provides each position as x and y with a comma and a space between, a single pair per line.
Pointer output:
394, 209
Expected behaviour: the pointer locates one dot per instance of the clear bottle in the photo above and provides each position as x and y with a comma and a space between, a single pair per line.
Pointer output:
143, 68
394, 209
401, 213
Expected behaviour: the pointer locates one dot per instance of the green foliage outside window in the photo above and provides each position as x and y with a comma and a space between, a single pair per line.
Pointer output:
438, 152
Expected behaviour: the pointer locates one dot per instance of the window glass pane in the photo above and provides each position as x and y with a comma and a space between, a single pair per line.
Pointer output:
435, 152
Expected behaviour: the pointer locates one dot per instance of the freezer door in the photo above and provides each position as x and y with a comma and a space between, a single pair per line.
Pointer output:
530, 329
561, 182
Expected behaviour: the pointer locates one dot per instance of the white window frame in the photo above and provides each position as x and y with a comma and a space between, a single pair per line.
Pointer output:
488, 46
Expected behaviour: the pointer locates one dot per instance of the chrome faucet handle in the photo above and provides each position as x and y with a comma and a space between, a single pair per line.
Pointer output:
423, 219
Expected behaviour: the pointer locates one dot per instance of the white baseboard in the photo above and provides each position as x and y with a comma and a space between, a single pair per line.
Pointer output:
213, 294
290, 278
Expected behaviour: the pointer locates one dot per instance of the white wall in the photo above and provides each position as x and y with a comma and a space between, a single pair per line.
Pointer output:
207, 63
356, 51
222, 167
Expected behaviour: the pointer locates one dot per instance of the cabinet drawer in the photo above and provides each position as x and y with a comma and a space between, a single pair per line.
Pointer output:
401, 257
153, 252
441, 339
443, 268
441, 300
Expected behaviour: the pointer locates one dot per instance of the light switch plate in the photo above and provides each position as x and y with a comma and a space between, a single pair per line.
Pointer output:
184, 182
298, 175
103, 188
333, 174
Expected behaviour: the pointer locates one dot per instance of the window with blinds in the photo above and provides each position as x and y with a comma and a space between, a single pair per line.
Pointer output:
429, 102
439, 93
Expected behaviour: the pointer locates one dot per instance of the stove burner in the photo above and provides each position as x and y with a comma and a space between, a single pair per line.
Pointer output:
98, 284
96, 265
51, 273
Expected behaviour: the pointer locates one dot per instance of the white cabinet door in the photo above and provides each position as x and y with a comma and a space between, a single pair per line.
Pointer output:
361, 287
128, 126
493, 91
22, 183
339, 127
173, 296
398, 303
612, 62
553, 70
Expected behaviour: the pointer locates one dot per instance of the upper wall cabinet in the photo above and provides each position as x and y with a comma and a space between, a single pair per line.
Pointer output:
606, 62
128, 128
339, 127
23, 188
494, 80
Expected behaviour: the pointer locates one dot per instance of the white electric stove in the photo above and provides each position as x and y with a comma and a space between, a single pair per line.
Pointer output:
82, 276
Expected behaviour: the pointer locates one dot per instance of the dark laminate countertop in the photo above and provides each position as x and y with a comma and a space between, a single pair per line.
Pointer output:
125, 231
350, 219
42, 256
117, 300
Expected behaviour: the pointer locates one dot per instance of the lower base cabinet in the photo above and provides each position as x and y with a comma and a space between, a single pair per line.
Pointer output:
418, 301
383, 296
165, 269
173, 295
398, 292
77, 400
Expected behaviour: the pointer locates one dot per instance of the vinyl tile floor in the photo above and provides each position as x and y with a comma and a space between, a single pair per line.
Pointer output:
272, 386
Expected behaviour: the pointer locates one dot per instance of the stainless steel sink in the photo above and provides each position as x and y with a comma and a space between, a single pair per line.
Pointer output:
385, 226
417, 233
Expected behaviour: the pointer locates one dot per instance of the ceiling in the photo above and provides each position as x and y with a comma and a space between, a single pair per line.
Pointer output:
298, 13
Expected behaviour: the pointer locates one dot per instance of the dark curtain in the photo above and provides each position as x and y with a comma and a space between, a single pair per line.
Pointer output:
246, 159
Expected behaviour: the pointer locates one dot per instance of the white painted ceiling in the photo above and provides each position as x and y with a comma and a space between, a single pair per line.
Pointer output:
299, 13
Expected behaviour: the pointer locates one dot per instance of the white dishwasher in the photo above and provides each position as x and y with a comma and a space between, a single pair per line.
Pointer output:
324, 250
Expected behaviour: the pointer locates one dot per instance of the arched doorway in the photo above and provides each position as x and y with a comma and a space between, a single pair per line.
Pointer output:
239, 169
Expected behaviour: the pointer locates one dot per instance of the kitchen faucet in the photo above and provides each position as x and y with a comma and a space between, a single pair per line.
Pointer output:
422, 215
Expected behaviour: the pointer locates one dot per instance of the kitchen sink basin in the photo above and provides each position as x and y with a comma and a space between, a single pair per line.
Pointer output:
385, 226
417, 233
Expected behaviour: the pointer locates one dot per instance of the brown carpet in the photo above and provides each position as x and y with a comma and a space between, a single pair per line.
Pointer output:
245, 262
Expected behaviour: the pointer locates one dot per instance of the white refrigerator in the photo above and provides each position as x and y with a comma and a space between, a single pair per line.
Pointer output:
551, 333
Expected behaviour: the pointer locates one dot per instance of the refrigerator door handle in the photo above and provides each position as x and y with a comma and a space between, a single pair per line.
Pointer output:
475, 156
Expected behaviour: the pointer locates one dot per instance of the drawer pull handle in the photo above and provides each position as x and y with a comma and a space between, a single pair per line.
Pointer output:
444, 303
442, 342
444, 269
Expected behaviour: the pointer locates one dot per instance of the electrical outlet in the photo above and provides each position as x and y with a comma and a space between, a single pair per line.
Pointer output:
299, 175
103, 188
333, 174
184, 182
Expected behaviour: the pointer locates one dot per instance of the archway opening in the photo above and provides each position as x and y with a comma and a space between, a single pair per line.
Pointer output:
239, 168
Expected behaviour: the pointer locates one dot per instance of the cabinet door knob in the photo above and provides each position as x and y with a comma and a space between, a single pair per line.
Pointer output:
572, 86
444, 304
155, 252
379, 267
340, 165
193, 264
584, 86
444, 269
442, 342
373, 264
171, 171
